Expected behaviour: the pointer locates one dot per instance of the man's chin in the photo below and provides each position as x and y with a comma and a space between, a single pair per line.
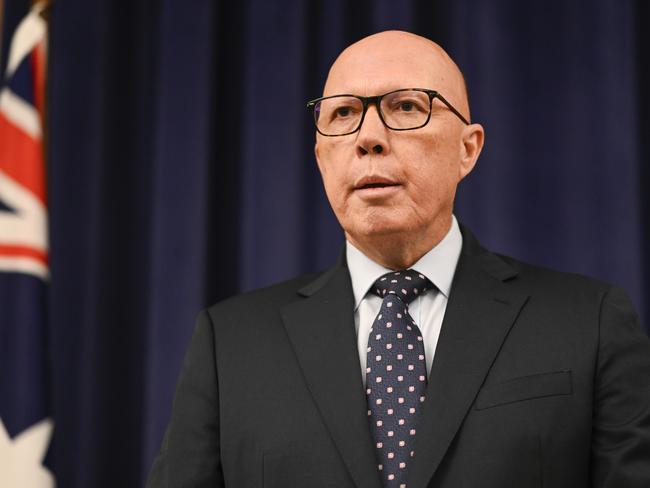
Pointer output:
369, 231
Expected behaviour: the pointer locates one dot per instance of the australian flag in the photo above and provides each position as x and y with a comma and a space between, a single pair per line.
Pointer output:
25, 423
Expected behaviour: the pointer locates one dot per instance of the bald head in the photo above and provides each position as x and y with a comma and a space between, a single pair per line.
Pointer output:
396, 59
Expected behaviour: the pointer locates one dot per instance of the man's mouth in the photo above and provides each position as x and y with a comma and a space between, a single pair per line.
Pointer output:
371, 182
376, 185
376, 189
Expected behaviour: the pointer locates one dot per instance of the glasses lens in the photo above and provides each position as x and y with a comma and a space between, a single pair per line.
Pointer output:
338, 115
405, 109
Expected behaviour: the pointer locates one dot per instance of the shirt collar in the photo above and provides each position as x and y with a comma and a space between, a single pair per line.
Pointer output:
439, 265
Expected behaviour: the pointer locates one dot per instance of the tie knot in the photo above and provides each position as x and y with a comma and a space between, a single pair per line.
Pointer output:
407, 285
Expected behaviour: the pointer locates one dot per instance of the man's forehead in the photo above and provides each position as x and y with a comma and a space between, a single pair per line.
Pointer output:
391, 60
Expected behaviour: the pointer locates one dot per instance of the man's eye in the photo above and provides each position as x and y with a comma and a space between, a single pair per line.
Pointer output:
343, 112
408, 106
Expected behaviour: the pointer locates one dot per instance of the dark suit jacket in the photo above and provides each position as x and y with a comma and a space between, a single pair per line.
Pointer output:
540, 379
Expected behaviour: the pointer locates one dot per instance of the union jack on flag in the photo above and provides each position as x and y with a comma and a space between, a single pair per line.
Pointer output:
25, 425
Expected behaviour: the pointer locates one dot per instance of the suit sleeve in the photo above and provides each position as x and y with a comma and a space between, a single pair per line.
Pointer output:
190, 452
621, 429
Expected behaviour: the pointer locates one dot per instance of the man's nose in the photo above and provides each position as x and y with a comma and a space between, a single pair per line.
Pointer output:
373, 134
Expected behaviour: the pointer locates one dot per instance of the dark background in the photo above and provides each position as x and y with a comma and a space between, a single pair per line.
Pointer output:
181, 171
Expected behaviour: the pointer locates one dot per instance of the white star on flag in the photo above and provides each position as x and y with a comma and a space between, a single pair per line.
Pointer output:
21, 458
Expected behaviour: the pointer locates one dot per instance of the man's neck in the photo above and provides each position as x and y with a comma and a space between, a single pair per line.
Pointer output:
400, 251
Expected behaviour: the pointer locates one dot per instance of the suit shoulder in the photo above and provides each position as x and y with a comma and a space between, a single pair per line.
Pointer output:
529, 276
541, 277
275, 295
559, 298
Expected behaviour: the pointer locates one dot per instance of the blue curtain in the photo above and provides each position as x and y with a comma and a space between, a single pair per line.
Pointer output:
181, 171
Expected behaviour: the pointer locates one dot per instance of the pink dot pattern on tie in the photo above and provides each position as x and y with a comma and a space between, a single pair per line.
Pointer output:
398, 374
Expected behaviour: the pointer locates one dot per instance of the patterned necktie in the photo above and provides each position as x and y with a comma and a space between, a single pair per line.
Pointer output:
395, 374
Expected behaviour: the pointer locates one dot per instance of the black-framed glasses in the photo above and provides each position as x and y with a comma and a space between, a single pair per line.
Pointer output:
403, 109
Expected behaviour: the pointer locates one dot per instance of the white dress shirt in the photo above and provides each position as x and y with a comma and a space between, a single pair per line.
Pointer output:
428, 310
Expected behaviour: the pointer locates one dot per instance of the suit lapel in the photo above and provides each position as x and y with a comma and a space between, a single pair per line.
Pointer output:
321, 330
479, 315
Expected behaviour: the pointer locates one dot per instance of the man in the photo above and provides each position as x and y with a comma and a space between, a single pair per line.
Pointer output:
352, 378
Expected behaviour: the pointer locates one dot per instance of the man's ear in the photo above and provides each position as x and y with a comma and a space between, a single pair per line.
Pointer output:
471, 144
